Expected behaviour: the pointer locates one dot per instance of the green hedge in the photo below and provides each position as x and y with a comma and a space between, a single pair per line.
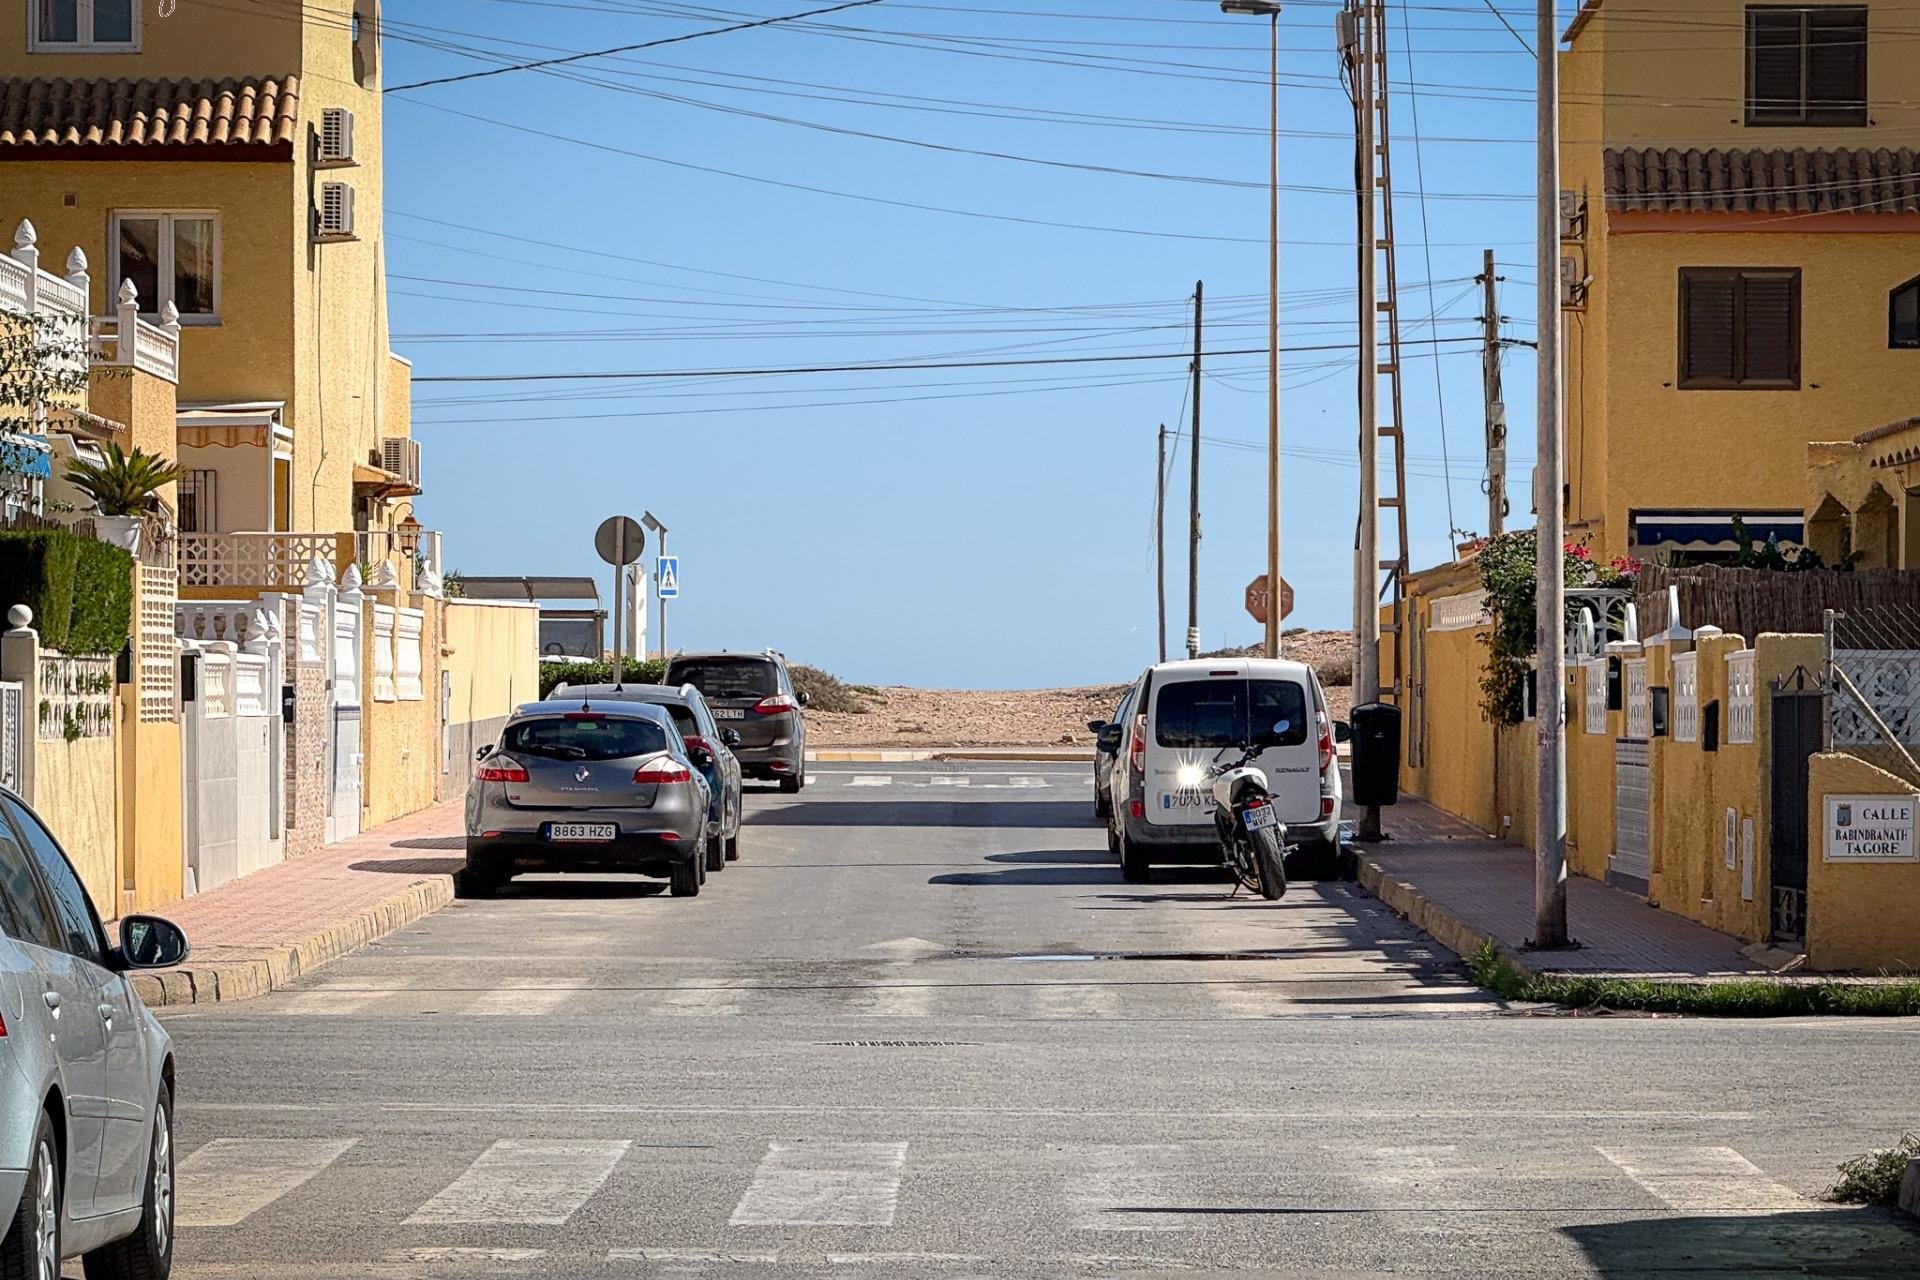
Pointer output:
637, 671
80, 590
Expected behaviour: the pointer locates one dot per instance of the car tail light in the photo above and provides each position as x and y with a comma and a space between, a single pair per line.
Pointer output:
773, 706
700, 743
1326, 742
671, 837
3, 1027
500, 769
1138, 809
1137, 747
583, 715
662, 772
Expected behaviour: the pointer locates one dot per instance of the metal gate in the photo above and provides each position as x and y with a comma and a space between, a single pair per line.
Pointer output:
1799, 721
1632, 863
13, 740
343, 662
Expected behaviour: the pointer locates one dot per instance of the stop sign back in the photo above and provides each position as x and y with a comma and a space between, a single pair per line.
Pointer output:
1260, 599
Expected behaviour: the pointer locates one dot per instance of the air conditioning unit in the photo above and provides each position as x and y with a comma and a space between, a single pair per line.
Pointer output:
401, 456
336, 136
1573, 216
336, 211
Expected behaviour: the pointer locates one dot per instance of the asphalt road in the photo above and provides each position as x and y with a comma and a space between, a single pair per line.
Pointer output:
923, 1029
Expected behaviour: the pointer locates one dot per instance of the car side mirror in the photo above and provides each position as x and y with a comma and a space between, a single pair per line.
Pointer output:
701, 757
730, 736
483, 752
148, 942
805, 699
1097, 726
1110, 736
1342, 731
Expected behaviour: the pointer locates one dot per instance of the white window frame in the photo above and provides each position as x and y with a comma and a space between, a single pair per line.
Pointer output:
83, 22
167, 217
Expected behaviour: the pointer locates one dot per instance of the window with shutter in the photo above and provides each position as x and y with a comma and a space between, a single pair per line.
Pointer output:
1739, 329
1903, 316
1806, 65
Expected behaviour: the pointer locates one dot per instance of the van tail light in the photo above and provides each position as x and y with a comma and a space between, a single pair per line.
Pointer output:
1137, 746
662, 772
499, 768
3, 1027
1326, 807
1138, 809
775, 705
1326, 742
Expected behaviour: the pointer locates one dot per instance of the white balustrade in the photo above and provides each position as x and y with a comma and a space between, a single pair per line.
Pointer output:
273, 560
1740, 697
1686, 697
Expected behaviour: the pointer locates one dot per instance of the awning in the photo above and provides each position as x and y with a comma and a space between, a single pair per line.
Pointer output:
29, 456
228, 426
381, 483
1713, 530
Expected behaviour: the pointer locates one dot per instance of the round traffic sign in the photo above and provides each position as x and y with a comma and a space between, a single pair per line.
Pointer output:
619, 540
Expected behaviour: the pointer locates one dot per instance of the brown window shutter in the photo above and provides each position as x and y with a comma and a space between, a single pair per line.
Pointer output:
1774, 64
1837, 65
1707, 312
1769, 328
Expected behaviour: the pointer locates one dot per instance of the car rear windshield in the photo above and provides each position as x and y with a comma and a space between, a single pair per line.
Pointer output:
1229, 713
612, 738
727, 677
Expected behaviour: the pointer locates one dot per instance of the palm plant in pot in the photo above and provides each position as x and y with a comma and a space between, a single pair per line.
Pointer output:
125, 487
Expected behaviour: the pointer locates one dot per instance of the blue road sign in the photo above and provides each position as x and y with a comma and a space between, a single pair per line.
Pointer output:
669, 571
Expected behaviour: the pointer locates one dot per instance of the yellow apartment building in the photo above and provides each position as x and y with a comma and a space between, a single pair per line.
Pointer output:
226, 159
1741, 259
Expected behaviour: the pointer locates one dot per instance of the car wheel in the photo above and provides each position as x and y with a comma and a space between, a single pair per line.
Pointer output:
475, 881
1134, 867
147, 1254
792, 784
1101, 809
733, 846
1113, 841
31, 1250
716, 851
684, 880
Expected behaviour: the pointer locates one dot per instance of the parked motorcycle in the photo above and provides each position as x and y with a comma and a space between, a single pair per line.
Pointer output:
1249, 827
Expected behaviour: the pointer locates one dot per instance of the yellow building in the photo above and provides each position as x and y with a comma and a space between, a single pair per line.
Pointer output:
226, 159
1741, 262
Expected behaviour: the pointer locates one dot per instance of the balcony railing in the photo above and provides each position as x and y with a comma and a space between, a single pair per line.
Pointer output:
267, 561
125, 339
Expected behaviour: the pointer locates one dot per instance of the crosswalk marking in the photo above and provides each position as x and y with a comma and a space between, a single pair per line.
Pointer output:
819, 1184
701, 998
871, 780
1027, 781
1064, 1000
894, 1000
343, 996
1703, 1179
521, 1000
949, 780
1121, 1188
230, 1179
534, 1182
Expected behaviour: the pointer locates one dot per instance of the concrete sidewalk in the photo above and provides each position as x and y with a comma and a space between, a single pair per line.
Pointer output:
1466, 888
258, 933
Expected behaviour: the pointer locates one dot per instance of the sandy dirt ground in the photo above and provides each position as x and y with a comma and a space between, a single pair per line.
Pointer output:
910, 718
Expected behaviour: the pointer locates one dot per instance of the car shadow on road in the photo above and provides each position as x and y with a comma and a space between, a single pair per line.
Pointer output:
1058, 857
1067, 866
945, 811
575, 888
411, 866
433, 842
1828, 1242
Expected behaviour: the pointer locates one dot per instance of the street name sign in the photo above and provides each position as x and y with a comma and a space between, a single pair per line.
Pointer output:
669, 571
1258, 599
1871, 829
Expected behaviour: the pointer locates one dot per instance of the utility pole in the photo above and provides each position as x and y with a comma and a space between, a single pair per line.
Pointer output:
1160, 539
1494, 485
1366, 560
1550, 817
1193, 534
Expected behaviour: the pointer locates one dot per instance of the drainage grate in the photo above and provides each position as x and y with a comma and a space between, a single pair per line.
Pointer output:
900, 1044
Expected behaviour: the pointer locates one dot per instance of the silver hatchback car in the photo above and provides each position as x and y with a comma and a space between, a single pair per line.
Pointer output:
575, 785
86, 1089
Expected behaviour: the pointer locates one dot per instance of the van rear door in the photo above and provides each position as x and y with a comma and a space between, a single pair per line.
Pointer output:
1212, 716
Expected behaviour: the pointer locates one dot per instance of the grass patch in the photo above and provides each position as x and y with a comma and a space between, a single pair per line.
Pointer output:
1737, 998
1874, 1178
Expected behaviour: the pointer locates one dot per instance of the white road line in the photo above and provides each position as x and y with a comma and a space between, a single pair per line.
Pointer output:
948, 780
701, 998
1117, 1188
871, 780
1057, 1000
456, 1253
230, 1179
1027, 781
819, 1184
524, 1183
1395, 1168
693, 1257
894, 1000
518, 1000
343, 995
1704, 1179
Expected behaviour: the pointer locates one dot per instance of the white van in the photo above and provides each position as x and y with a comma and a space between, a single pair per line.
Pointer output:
1185, 717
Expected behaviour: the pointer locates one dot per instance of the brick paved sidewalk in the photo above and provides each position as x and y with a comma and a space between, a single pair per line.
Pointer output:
1465, 887
256, 934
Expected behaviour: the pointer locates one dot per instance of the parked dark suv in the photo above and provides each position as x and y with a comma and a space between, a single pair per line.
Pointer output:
754, 693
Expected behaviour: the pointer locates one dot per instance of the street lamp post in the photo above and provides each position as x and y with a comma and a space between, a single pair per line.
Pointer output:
660, 530
1270, 10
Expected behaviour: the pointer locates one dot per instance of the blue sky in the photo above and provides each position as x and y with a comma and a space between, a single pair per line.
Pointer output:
986, 527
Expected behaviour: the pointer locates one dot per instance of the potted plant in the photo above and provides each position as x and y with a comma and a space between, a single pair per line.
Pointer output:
125, 487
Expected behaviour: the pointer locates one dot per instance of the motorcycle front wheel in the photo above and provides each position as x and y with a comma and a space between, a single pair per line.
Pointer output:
1268, 861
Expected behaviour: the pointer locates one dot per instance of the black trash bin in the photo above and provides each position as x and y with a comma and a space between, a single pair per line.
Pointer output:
1376, 754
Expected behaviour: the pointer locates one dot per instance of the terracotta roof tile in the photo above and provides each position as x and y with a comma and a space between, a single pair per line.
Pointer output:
1650, 180
149, 113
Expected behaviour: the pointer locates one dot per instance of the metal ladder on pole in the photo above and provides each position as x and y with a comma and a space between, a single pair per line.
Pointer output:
1394, 555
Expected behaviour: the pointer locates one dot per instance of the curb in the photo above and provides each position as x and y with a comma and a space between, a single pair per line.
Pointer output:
1909, 1202
1435, 921
244, 979
1014, 755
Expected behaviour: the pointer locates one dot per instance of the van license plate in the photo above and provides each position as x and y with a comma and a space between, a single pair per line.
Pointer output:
582, 832
1262, 819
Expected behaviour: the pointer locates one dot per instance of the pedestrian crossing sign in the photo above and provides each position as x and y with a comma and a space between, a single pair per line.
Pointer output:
669, 578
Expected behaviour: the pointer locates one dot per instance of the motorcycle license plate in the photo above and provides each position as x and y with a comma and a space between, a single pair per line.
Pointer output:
1262, 819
